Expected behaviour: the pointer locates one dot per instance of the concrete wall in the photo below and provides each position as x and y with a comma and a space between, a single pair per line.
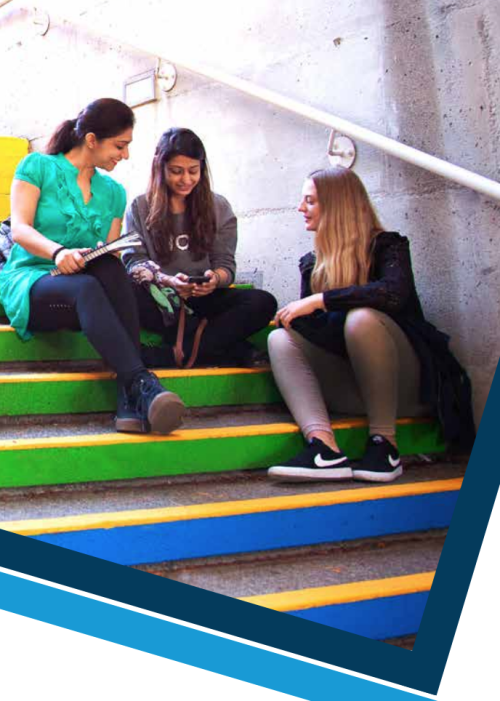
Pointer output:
426, 73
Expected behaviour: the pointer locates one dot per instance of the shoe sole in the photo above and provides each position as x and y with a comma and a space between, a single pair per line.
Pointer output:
131, 426
367, 476
304, 474
166, 412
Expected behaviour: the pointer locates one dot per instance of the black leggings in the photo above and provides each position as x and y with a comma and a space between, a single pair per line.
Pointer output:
232, 315
101, 303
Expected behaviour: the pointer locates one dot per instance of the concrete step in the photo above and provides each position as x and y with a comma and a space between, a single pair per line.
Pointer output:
204, 527
376, 588
87, 450
189, 490
24, 393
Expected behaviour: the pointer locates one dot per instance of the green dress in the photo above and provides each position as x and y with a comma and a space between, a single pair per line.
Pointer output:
61, 216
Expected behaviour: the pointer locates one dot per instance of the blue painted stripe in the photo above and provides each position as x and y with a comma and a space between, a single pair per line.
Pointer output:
379, 619
172, 641
133, 545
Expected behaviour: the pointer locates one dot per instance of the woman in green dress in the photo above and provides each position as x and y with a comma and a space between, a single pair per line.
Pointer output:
61, 206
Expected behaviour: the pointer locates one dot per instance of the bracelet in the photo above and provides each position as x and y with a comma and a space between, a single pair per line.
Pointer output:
58, 250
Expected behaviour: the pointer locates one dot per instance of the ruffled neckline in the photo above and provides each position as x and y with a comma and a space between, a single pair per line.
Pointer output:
66, 163
80, 216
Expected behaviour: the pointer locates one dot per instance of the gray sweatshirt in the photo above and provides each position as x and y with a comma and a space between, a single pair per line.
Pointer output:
221, 254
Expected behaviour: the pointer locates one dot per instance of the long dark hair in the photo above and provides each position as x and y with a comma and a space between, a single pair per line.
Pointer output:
105, 118
200, 212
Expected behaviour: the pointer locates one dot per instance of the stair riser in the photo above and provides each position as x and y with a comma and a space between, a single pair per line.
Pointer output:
86, 396
67, 345
100, 462
378, 619
63, 345
179, 540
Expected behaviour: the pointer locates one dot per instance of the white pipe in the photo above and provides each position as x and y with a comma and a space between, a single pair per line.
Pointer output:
392, 147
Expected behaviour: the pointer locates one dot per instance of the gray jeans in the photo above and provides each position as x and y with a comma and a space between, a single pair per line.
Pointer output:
380, 378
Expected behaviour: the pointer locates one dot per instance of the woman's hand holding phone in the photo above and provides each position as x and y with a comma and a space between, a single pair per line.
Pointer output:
182, 286
206, 288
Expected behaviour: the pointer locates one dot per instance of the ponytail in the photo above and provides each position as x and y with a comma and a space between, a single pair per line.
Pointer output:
63, 139
105, 118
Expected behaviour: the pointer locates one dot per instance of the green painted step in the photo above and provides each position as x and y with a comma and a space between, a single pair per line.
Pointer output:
112, 456
70, 345
73, 393
63, 345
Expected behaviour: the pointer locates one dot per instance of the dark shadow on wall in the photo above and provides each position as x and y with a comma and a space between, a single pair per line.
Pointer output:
414, 116
438, 91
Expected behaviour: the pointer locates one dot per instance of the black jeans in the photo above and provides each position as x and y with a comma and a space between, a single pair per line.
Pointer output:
232, 315
99, 301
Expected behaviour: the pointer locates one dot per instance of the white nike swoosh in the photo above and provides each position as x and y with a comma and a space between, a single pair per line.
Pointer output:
394, 463
319, 462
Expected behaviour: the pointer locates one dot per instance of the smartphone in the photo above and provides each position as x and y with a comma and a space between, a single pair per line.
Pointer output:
198, 279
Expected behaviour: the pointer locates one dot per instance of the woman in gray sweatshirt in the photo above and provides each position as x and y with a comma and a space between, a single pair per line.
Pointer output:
189, 239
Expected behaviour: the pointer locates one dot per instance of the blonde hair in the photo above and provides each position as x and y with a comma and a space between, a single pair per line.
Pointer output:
347, 228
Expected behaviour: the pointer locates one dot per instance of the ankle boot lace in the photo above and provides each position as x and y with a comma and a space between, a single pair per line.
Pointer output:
145, 387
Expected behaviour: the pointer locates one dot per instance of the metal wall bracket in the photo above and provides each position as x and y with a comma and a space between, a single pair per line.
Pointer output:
341, 150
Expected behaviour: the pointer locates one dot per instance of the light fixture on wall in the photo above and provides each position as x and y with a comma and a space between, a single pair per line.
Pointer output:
140, 89
341, 150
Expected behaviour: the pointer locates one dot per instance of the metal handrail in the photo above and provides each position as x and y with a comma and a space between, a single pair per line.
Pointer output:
383, 143
392, 147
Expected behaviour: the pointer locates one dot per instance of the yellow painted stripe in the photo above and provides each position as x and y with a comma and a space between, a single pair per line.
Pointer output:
6, 327
344, 593
142, 517
4, 206
27, 377
105, 439
193, 434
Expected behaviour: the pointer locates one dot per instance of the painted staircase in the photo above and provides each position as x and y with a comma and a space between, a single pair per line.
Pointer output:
196, 506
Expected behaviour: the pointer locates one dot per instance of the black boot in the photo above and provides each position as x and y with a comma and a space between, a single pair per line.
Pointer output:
127, 418
161, 409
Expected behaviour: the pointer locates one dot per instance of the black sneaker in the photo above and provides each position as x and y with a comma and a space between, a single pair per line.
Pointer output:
316, 462
163, 410
380, 463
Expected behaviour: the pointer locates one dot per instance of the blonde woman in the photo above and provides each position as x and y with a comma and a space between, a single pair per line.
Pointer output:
357, 341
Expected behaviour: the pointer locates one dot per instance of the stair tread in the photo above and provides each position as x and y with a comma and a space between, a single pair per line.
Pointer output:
93, 498
377, 559
34, 427
102, 423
